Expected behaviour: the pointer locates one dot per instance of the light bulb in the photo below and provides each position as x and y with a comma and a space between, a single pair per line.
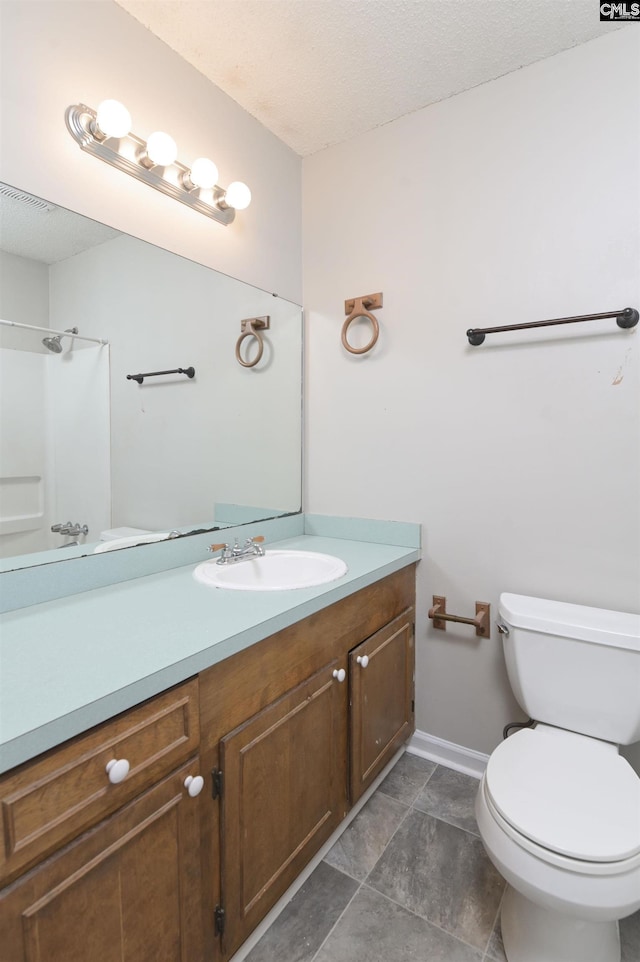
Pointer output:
161, 149
113, 119
237, 195
203, 173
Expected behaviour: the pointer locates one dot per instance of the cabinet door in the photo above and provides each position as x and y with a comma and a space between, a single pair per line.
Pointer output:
284, 794
381, 677
126, 891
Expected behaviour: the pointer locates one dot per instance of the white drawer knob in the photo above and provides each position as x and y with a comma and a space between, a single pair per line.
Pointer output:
194, 784
363, 660
117, 770
339, 673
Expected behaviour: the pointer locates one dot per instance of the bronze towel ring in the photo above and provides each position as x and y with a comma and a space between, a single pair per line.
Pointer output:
251, 327
361, 307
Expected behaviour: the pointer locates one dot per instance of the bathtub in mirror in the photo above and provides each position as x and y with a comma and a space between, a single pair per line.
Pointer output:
82, 443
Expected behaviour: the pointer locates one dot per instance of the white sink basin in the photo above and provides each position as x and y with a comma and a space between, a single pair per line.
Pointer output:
275, 571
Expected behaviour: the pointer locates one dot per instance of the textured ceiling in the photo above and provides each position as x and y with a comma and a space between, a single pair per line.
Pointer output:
318, 72
42, 232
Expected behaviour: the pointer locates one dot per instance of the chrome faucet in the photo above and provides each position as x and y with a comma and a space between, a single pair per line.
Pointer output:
68, 528
252, 548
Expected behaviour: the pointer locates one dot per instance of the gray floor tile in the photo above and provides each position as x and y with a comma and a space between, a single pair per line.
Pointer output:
495, 949
299, 931
373, 929
431, 894
407, 777
630, 938
450, 795
361, 845
441, 872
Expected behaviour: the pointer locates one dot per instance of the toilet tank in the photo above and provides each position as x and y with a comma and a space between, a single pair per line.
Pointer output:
574, 667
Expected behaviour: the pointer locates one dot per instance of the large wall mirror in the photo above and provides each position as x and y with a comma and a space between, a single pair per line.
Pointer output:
91, 459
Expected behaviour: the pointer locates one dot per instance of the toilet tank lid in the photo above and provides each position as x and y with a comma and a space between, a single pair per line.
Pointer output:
618, 629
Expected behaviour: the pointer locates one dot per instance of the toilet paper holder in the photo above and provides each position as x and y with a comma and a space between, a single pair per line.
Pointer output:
482, 621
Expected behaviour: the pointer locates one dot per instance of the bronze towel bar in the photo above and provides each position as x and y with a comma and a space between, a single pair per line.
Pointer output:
189, 371
626, 318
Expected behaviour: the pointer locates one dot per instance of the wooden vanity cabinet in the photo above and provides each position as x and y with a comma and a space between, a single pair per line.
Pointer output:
290, 732
294, 730
110, 871
52, 799
126, 891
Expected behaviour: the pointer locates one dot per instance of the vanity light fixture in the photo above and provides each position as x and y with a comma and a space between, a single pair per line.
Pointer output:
106, 133
161, 151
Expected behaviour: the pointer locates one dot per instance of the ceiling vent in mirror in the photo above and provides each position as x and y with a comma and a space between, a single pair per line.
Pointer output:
35, 203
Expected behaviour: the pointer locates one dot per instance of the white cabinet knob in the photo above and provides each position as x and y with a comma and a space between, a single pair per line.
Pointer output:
194, 784
363, 660
117, 770
339, 673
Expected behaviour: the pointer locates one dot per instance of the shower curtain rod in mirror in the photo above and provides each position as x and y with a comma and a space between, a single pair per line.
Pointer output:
50, 330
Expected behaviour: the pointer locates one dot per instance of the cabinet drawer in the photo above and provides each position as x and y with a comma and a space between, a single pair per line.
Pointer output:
49, 801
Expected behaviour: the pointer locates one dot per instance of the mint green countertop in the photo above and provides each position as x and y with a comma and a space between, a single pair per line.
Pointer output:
72, 662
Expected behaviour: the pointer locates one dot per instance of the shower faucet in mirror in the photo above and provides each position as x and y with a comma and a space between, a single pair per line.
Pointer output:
70, 529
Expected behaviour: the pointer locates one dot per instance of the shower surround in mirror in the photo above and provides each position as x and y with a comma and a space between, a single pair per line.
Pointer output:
95, 448
54, 443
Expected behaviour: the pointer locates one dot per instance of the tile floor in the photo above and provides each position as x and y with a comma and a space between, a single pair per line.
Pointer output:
408, 881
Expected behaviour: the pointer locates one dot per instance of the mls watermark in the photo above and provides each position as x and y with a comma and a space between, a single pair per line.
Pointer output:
620, 11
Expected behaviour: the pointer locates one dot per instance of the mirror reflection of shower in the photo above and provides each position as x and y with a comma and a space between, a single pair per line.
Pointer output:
53, 343
54, 438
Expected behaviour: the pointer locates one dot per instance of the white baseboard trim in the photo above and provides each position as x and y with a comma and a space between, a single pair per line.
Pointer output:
462, 759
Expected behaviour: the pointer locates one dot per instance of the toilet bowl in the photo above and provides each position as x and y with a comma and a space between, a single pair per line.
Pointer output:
562, 906
558, 810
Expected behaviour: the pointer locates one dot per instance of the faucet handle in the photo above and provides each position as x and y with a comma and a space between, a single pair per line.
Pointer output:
217, 547
256, 544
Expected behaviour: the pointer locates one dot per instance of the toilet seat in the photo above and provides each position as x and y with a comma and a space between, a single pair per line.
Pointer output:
569, 794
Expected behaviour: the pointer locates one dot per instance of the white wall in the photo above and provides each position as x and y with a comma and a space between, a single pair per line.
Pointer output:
78, 422
181, 446
513, 202
58, 53
24, 297
25, 481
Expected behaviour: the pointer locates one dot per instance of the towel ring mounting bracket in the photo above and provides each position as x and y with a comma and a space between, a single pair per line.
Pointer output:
357, 307
250, 327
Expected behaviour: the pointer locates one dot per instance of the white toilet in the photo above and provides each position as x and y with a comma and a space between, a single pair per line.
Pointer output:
558, 808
